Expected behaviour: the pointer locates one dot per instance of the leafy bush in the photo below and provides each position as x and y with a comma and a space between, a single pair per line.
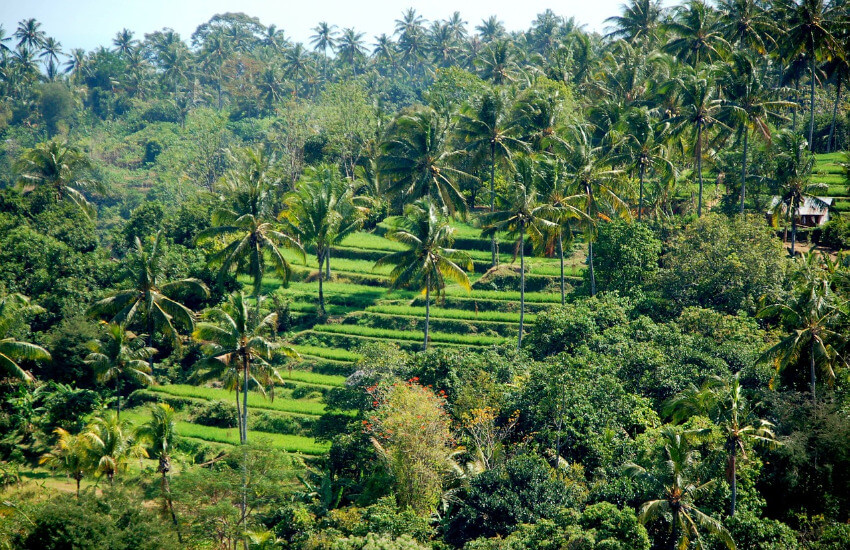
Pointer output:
220, 414
834, 234
625, 257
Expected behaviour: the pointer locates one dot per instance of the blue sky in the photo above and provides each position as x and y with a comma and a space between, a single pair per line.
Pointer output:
91, 23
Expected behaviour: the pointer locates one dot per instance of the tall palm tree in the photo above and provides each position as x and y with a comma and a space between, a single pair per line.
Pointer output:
810, 28
838, 70
416, 161
50, 52
680, 490
751, 104
215, 52
696, 38
747, 24
121, 354
150, 301
324, 40
71, 454
29, 34
592, 178
12, 351
490, 133
59, 166
385, 52
320, 213
813, 320
490, 29
522, 214
124, 42
237, 339
246, 222
643, 149
794, 165
351, 48
158, 433
428, 263
723, 400
496, 62
296, 64
110, 445
639, 22
702, 109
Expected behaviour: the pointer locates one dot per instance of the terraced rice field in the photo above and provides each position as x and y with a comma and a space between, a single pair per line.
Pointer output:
362, 310
829, 171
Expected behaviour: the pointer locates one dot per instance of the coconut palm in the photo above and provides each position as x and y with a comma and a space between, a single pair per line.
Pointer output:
490, 29
12, 351
321, 213
150, 302
639, 22
747, 24
239, 340
215, 52
794, 165
428, 263
680, 491
324, 40
351, 48
838, 70
159, 433
29, 34
71, 454
750, 103
522, 214
296, 64
723, 400
121, 354
50, 52
110, 445
416, 161
592, 177
696, 38
124, 42
810, 29
246, 224
813, 319
492, 136
58, 166
496, 62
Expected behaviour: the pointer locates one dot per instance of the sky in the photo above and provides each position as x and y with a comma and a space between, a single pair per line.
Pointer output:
91, 23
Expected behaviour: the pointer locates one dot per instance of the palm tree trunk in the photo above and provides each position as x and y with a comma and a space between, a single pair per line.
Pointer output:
427, 309
698, 153
744, 169
494, 245
245, 372
793, 230
640, 200
328, 262
561, 256
118, 393
812, 373
796, 105
834, 114
238, 411
320, 258
733, 467
521, 284
77, 478
674, 538
812, 103
164, 467
590, 264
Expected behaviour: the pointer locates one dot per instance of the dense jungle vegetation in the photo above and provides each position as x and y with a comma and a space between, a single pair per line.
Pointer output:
447, 287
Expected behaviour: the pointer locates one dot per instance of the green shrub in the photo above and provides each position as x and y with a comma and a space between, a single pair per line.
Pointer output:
834, 234
220, 414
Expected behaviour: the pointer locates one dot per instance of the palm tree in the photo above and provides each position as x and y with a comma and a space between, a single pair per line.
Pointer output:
749, 101
385, 51
110, 445
296, 63
159, 433
29, 34
794, 164
150, 302
643, 149
813, 319
124, 42
12, 351
50, 52
416, 161
701, 110
121, 354
428, 262
639, 22
57, 165
490, 29
522, 214
324, 40
810, 28
591, 177
251, 237
723, 400
321, 213
217, 49
488, 132
351, 48
496, 62
238, 340
697, 38
680, 493
838, 70
70, 454
747, 24
76, 64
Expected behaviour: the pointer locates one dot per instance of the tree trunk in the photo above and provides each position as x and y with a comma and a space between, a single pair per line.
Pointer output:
494, 244
320, 258
674, 537
812, 103
244, 420
733, 467
796, 105
590, 264
164, 468
744, 169
640, 200
793, 230
238, 410
812, 373
834, 114
561, 256
698, 153
427, 309
77, 478
118, 393
521, 284
328, 262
